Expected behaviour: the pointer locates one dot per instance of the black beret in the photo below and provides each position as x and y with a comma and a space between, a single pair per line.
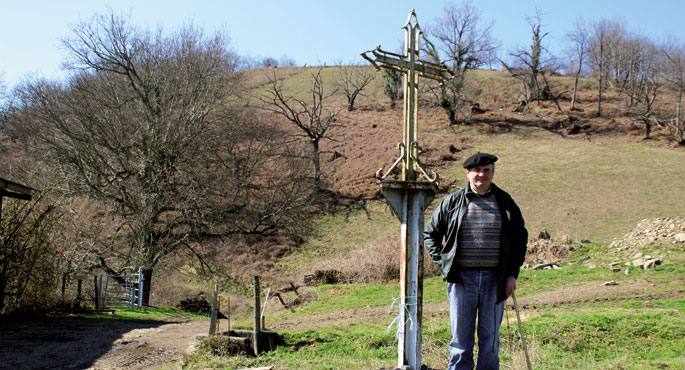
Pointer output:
479, 159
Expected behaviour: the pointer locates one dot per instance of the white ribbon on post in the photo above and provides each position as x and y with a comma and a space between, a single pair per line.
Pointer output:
396, 320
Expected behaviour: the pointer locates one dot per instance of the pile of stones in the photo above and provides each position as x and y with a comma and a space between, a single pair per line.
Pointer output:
666, 231
546, 252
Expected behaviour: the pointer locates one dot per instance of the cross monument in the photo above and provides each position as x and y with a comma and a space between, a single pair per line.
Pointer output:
413, 191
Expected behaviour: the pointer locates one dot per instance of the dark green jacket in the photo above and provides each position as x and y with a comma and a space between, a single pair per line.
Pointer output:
440, 235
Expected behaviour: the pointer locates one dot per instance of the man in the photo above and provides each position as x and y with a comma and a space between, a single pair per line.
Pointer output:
478, 239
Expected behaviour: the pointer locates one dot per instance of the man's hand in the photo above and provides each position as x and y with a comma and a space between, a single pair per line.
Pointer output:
511, 285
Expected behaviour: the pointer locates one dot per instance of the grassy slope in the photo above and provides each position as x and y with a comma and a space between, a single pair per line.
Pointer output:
588, 190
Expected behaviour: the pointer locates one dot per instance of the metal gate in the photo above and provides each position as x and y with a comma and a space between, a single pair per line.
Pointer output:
122, 289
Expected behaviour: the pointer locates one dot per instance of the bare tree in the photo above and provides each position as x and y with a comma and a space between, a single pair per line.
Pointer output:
4, 103
286, 61
352, 79
392, 85
674, 72
629, 61
27, 260
310, 117
148, 125
531, 65
646, 85
463, 42
579, 48
605, 36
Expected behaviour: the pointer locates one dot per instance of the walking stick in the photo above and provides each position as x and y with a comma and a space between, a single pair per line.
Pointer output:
523, 339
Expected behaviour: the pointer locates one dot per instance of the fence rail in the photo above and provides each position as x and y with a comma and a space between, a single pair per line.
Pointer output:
108, 289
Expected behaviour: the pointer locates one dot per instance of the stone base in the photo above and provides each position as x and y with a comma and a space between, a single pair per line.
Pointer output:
235, 342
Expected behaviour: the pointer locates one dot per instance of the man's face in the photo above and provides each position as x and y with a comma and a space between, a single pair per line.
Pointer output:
480, 177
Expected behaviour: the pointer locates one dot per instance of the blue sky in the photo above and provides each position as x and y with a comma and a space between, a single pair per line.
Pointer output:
309, 31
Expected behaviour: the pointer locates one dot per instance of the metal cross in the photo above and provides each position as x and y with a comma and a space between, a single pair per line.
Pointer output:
412, 68
409, 196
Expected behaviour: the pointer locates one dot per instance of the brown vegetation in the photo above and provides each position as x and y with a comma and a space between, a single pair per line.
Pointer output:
159, 167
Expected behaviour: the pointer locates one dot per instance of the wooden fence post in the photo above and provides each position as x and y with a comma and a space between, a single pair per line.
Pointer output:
256, 332
228, 318
64, 287
103, 289
78, 291
97, 291
214, 311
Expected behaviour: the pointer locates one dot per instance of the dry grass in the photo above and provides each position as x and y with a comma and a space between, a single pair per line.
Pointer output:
377, 261
586, 190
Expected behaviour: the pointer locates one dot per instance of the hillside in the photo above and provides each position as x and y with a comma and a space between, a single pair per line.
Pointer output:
589, 181
585, 186
578, 176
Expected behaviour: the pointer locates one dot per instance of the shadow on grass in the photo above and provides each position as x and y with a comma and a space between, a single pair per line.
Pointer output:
60, 342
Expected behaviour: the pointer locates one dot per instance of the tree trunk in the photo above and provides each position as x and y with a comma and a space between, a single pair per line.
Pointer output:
648, 128
678, 107
147, 283
575, 83
575, 90
601, 78
316, 161
350, 101
350, 104
452, 116
599, 98
2, 293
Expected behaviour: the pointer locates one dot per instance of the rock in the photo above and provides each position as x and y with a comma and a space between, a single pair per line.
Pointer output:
197, 304
545, 266
544, 234
679, 238
610, 283
615, 266
651, 263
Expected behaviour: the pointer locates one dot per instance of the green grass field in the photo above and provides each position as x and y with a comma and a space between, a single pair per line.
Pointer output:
347, 327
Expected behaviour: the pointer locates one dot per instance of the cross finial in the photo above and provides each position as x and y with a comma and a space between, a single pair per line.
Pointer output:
411, 17
409, 64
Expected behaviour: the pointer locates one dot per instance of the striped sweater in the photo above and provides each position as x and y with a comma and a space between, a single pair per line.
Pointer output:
479, 235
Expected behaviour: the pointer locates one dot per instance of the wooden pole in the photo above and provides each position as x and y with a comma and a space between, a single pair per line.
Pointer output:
97, 291
214, 311
103, 290
523, 339
64, 286
78, 291
256, 331
266, 301
228, 318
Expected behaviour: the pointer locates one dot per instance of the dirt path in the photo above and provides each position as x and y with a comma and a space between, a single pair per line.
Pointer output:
78, 343
151, 348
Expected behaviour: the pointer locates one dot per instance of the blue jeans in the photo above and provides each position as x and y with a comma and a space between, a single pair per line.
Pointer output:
475, 297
